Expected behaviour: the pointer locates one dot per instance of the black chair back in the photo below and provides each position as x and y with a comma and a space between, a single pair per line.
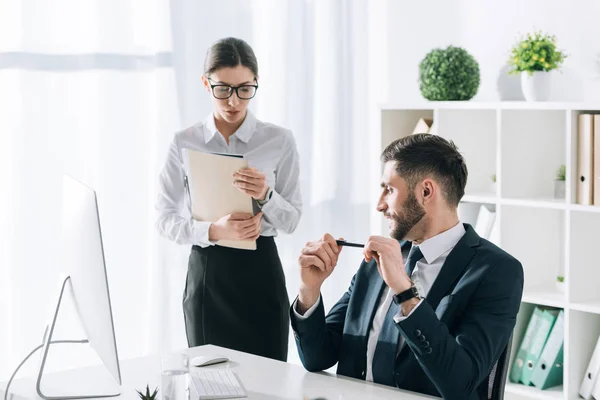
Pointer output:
497, 378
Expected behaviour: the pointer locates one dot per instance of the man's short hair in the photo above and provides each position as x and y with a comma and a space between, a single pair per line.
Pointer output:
421, 155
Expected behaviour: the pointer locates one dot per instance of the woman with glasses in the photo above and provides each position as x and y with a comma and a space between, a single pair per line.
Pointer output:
235, 298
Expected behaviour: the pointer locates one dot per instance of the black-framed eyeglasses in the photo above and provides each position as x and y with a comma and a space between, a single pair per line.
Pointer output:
222, 92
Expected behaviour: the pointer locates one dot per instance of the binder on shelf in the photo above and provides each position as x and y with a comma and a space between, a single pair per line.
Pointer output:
596, 180
596, 390
591, 374
211, 190
521, 356
485, 221
548, 371
585, 143
544, 326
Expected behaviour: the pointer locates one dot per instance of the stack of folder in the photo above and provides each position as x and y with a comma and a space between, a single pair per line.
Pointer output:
539, 360
588, 159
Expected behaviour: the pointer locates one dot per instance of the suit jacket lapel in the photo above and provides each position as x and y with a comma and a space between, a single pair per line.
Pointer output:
454, 265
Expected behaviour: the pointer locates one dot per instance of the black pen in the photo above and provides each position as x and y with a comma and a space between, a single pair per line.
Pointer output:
348, 244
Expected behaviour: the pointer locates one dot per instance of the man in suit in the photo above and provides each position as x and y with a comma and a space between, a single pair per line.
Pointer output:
434, 323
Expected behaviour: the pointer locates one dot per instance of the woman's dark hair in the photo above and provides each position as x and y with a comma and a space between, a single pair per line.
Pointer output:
230, 52
423, 154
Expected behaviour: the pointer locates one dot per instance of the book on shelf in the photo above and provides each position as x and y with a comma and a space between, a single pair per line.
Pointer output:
590, 379
486, 219
596, 162
524, 346
538, 341
548, 371
585, 159
425, 125
539, 330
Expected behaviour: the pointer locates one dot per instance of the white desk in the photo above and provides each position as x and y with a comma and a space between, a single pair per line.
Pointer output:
263, 379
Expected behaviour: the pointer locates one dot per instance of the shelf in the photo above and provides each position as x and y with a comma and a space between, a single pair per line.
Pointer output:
487, 198
491, 105
590, 306
541, 202
545, 298
534, 393
579, 207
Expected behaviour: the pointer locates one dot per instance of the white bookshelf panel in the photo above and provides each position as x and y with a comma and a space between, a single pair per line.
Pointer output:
584, 329
584, 271
535, 236
396, 124
474, 132
533, 148
515, 391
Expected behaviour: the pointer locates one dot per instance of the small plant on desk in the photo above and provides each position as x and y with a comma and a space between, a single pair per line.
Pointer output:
148, 395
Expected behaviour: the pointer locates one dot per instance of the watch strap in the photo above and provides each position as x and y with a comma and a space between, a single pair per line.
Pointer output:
408, 294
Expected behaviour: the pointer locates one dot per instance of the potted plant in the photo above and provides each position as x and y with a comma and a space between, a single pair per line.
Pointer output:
534, 56
493, 185
560, 283
448, 74
148, 395
559, 182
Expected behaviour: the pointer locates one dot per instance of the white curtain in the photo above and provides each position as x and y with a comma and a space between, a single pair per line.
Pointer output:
97, 88
88, 88
322, 75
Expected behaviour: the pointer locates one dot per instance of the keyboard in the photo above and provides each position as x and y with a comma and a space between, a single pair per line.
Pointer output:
216, 384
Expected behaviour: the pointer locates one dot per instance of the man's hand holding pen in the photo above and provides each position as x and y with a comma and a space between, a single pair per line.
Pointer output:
317, 261
319, 258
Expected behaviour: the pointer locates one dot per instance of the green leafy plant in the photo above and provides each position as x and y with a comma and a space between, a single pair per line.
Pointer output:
561, 173
494, 178
448, 74
535, 52
560, 278
148, 395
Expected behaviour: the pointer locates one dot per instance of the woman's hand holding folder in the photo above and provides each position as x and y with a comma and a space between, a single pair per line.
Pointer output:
235, 226
252, 182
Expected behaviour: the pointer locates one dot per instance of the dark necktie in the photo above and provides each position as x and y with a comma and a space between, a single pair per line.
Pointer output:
387, 343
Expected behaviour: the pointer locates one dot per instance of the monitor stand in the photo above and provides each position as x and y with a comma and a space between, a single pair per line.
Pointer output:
46, 347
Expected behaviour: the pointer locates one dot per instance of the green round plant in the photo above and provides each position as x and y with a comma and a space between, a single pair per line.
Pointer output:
536, 52
448, 74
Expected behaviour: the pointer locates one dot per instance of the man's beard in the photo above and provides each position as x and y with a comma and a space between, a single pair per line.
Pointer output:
412, 213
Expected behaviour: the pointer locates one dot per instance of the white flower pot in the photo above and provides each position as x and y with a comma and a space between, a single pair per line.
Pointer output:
560, 287
536, 87
559, 190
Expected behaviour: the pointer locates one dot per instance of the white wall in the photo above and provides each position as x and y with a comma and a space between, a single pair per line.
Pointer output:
488, 29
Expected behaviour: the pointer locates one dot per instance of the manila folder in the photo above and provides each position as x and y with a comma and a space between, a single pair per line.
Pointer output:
212, 193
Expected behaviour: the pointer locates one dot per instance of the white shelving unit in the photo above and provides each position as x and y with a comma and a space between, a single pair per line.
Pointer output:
524, 144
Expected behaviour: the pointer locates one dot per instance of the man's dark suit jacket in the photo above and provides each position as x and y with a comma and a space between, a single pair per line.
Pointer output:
452, 339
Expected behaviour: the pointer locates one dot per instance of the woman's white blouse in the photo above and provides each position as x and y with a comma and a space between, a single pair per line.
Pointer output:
269, 148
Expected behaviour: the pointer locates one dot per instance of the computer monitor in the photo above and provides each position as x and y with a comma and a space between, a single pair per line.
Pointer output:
85, 273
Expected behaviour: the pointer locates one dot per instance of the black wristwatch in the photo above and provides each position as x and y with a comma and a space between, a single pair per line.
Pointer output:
406, 295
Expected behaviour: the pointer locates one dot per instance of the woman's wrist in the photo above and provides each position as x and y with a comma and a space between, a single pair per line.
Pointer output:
213, 230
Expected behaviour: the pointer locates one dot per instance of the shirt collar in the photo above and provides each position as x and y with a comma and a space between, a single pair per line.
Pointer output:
439, 244
244, 132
